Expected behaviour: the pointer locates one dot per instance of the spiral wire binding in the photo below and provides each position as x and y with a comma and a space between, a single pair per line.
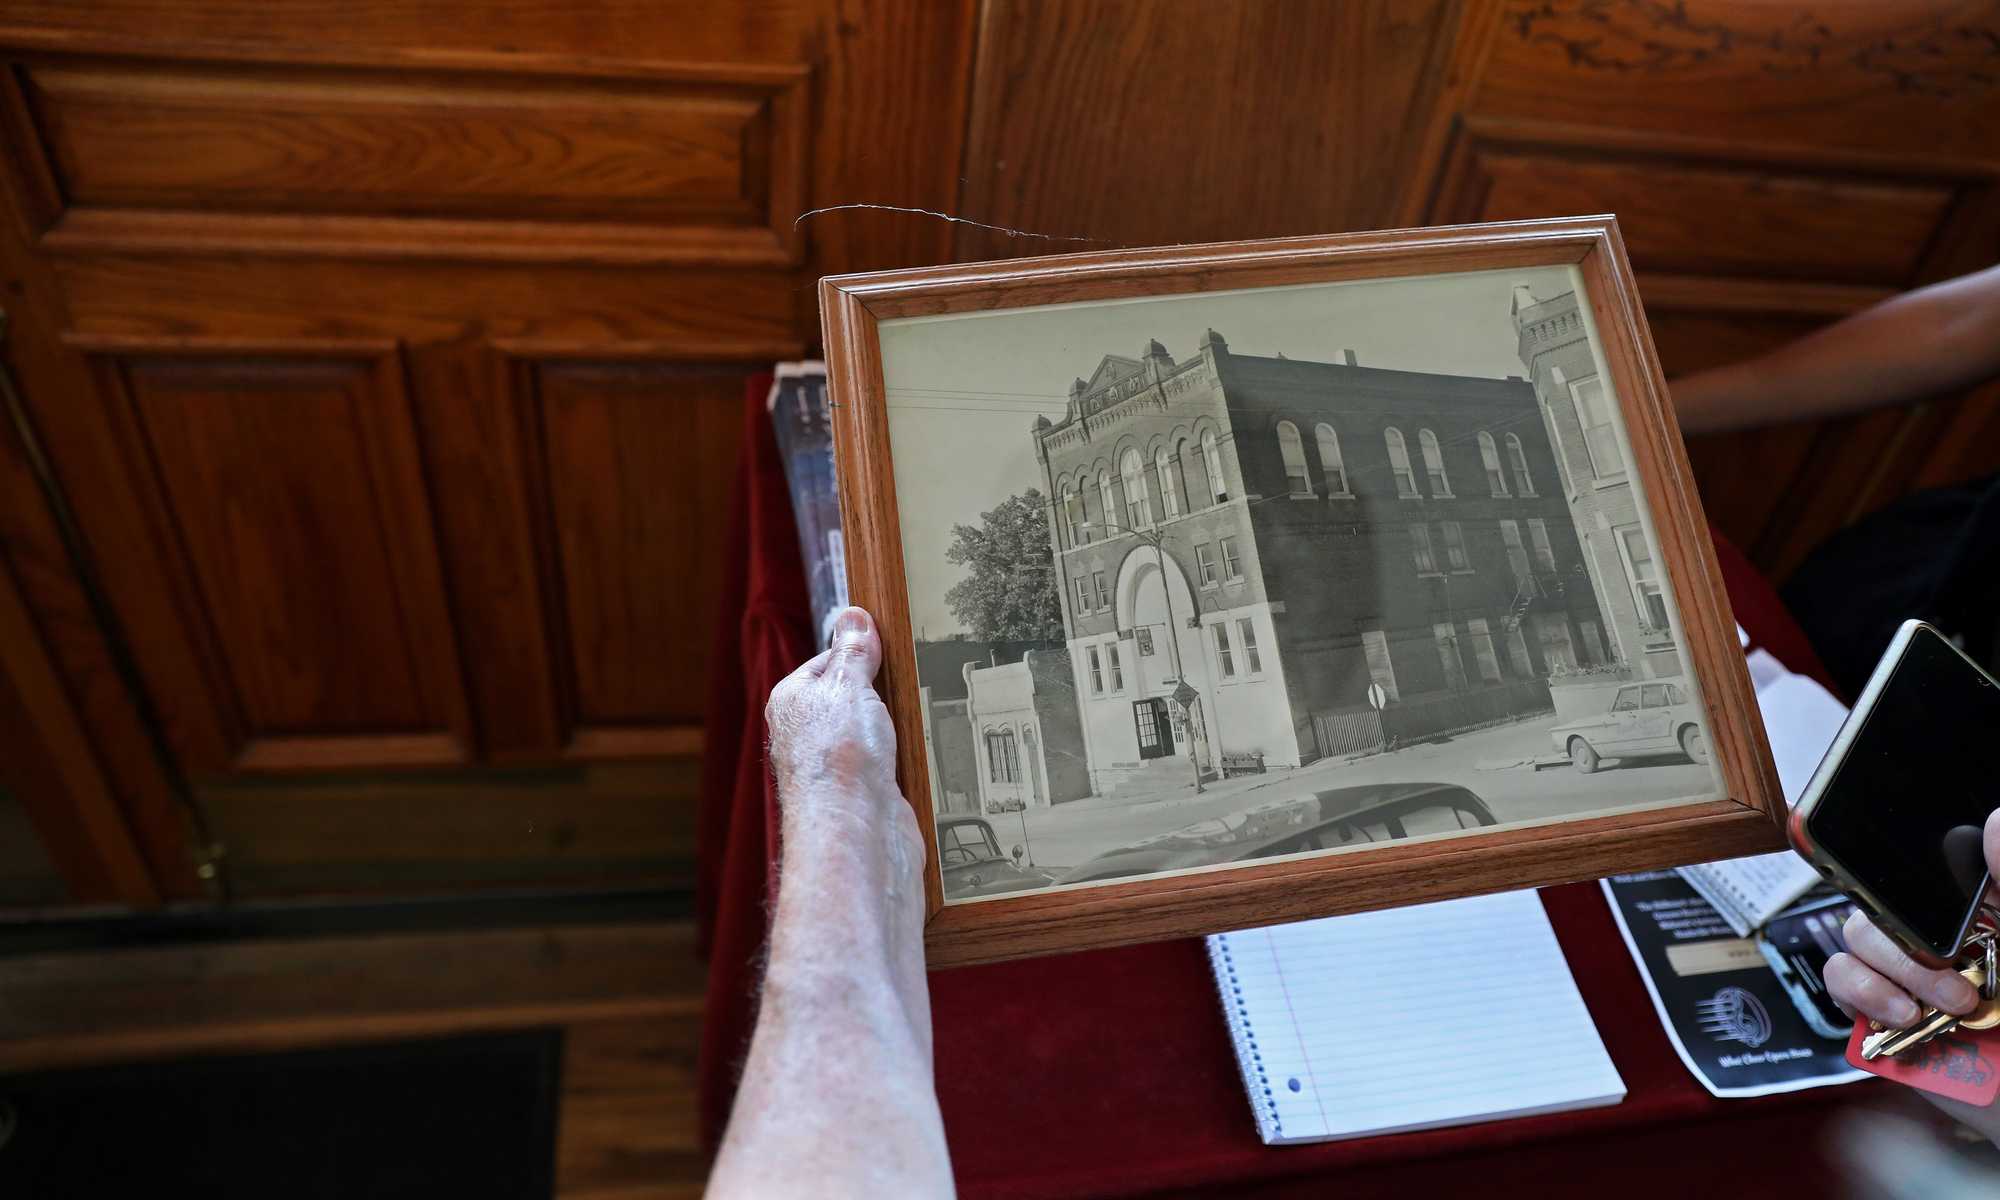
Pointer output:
1248, 1057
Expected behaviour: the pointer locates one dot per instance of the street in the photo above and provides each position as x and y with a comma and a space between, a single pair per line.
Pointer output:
1494, 764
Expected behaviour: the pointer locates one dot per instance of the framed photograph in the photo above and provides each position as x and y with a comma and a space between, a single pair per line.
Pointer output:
1236, 584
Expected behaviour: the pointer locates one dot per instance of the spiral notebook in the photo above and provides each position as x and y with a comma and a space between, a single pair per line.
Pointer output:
1411, 1018
1801, 719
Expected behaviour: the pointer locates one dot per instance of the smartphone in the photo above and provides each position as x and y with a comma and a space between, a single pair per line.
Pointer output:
1797, 943
1896, 813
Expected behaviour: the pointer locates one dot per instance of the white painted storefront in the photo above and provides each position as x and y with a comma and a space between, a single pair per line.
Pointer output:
1006, 736
1124, 681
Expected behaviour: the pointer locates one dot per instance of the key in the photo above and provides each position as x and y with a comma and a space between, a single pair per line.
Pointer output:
1932, 1022
1891, 1042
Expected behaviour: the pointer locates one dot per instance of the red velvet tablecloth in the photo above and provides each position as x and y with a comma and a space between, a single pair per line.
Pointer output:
1111, 1072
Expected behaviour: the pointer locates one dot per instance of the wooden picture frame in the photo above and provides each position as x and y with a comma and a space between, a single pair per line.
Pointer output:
1670, 568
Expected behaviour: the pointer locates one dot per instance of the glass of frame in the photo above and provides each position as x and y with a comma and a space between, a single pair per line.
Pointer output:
1255, 582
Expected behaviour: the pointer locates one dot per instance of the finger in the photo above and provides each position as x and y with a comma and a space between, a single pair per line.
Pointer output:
1859, 988
857, 649
811, 668
1947, 990
1993, 847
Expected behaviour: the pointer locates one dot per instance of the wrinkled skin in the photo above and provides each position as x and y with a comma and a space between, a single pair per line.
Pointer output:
838, 1097
1876, 979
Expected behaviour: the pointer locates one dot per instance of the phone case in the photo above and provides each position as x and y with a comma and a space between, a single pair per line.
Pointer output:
1898, 930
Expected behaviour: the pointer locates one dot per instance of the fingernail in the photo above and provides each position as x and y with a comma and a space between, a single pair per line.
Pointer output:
1954, 994
851, 623
1905, 1012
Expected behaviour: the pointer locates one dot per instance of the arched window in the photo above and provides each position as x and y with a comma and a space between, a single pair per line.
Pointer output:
1211, 458
1399, 462
1293, 451
1330, 463
1138, 505
1170, 496
1194, 476
1002, 765
1489, 457
1433, 463
1110, 503
1073, 515
1523, 482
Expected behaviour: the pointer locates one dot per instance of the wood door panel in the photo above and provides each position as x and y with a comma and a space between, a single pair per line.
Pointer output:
1146, 123
1802, 77
634, 465
717, 313
290, 502
638, 167
1729, 220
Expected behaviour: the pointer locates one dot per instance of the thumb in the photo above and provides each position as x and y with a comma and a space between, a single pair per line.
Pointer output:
856, 650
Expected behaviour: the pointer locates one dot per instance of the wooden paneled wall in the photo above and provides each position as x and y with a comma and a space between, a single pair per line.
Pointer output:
389, 357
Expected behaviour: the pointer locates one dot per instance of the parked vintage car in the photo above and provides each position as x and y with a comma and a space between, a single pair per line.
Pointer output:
1330, 820
1644, 719
969, 858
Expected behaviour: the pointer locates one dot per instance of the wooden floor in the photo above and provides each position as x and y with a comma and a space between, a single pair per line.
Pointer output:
627, 995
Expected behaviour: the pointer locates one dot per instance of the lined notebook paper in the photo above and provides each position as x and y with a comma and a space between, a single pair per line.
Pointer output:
1412, 1018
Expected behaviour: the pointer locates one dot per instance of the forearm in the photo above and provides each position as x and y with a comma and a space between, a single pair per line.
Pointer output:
837, 1095
1926, 343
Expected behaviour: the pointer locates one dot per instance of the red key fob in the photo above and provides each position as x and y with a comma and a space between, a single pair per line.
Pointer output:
1963, 1064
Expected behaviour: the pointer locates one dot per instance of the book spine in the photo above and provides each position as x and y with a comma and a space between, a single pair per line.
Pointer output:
1249, 1057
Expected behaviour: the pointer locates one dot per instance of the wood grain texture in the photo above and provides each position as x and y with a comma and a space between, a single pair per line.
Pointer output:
1746, 819
1726, 221
68, 1009
628, 1126
469, 184
1148, 123
46, 760
633, 465
473, 164
289, 494
626, 825
1859, 76
56, 593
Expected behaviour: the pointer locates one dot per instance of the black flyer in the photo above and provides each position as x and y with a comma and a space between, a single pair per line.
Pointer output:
1723, 1009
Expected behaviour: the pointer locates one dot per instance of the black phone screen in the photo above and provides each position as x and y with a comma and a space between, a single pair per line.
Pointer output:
1907, 807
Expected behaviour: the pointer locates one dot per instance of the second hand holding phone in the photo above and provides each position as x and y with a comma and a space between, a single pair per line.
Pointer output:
1895, 815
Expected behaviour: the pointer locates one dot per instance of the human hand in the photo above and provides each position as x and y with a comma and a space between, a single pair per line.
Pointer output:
830, 731
847, 829
1876, 979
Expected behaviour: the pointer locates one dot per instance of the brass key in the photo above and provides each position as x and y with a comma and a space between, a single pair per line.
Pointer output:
1933, 1022
1891, 1042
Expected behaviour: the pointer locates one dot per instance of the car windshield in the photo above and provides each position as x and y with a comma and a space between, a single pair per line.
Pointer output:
1628, 699
1437, 818
1675, 695
962, 845
1419, 821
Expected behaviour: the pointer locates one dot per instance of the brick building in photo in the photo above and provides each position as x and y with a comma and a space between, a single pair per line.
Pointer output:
1266, 537
1596, 482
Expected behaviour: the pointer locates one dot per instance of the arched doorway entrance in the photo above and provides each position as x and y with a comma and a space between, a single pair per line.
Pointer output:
1157, 607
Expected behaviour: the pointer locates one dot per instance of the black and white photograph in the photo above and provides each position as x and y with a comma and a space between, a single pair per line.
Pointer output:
1204, 580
